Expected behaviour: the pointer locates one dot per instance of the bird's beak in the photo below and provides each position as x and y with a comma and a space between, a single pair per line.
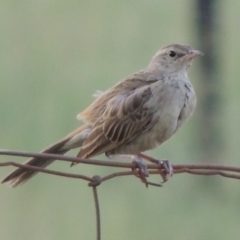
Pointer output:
193, 54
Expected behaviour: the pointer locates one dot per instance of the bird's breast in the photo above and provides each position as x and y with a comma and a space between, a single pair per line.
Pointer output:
175, 103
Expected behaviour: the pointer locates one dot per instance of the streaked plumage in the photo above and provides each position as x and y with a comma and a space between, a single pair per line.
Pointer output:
137, 114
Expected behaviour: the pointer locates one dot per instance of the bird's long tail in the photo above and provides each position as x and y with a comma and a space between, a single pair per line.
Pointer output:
73, 140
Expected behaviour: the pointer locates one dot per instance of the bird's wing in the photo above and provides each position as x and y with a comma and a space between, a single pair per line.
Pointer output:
93, 111
121, 118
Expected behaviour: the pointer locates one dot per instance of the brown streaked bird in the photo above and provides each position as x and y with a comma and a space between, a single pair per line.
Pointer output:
137, 114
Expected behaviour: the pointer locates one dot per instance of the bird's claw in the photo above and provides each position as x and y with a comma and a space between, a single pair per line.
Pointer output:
168, 169
141, 166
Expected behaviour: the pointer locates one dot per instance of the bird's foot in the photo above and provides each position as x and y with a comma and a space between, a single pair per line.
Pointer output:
164, 164
139, 168
142, 171
168, 169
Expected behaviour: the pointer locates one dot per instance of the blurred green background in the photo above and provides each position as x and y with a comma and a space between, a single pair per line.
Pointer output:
53, 56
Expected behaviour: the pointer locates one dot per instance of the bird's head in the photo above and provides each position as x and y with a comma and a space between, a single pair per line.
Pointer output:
174, 58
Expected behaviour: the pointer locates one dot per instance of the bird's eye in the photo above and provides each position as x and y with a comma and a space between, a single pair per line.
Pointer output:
172, 54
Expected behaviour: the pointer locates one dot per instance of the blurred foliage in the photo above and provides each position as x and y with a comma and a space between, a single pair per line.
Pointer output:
53, 56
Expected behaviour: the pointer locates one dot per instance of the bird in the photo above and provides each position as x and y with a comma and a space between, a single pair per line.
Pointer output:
137, 114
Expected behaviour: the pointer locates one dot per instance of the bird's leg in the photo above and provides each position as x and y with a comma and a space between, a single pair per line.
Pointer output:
168, 169
142, 172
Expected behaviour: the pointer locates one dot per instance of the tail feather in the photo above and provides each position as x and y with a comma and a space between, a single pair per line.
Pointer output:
73, 140
21, 175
